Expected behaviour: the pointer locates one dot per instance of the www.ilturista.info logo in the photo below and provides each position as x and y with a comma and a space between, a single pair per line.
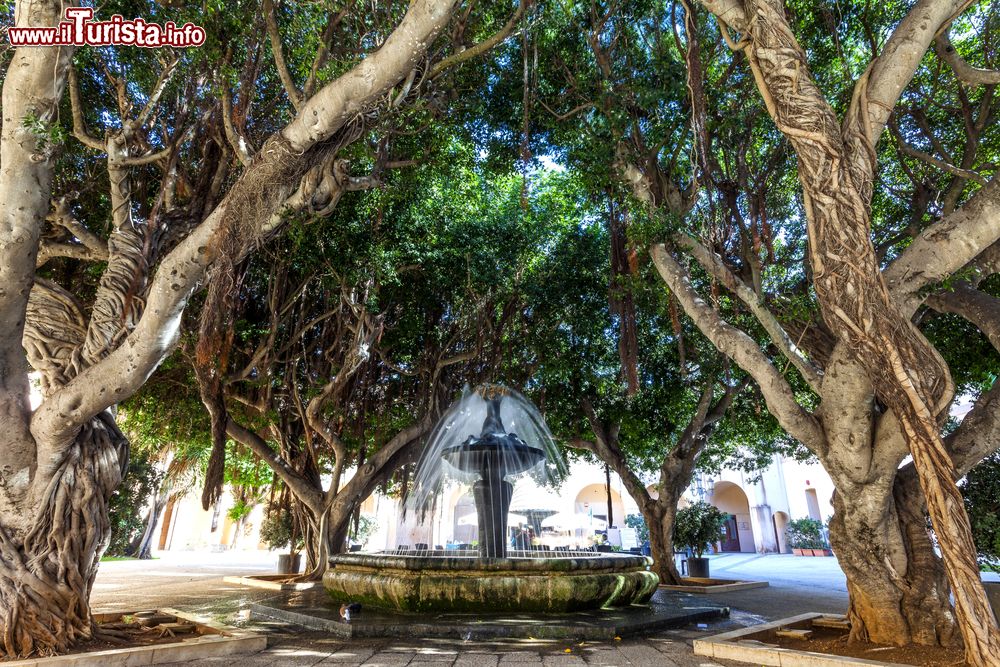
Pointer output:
79, 29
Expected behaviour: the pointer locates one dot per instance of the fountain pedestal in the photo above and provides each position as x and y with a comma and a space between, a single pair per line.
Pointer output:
492, 495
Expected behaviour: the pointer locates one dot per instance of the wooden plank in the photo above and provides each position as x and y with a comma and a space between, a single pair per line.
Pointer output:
794, 633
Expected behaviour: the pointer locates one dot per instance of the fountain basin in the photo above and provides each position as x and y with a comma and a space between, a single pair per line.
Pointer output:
433, 581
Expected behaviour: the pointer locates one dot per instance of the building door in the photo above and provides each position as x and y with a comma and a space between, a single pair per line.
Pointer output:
730, 535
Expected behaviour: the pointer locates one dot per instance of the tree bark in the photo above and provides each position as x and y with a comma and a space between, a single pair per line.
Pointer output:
836, 167
47, 573
659, 515
898, 591
143, 546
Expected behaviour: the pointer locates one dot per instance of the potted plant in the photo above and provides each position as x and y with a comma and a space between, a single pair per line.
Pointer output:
697, 527
805, 537
277, 532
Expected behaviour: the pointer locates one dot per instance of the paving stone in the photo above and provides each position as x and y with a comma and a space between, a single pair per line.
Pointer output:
607, 657
388, 659
641, 654
562, 660
349, 655
477, 660
515, 657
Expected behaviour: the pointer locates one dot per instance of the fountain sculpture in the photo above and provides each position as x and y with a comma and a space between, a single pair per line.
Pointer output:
491, 576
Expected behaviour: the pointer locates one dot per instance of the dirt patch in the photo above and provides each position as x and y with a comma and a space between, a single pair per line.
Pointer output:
828, 640
130, 632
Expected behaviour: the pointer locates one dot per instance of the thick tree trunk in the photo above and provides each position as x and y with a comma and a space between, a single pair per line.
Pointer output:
46, 575
836, 169
661, 541
898, 592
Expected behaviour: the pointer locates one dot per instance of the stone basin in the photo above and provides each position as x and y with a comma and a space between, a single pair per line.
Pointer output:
433, 581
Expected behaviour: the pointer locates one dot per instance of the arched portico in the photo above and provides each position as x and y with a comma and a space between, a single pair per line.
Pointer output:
739, 535
594, 498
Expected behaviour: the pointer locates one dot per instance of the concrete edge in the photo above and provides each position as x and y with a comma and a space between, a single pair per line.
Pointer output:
485, 630
221, 640
738, 646
716, 588
259, 581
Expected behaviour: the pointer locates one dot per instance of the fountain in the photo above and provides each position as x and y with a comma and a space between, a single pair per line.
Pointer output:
493, 455
492, 576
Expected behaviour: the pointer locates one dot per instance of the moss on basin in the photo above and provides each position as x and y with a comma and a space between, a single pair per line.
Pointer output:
420, 583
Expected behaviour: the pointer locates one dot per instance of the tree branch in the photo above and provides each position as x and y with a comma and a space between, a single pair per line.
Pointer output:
274, 35
963, 70
744, 351
484, 46
895, 66
295, 481
79, 126
978, 307
715, 266
122, 372
236, 140
944, 165
945, 247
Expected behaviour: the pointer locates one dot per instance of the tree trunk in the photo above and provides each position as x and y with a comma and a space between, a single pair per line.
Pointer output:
659, 519
898, 593
607, 489
47, 574
836, 169
142, 548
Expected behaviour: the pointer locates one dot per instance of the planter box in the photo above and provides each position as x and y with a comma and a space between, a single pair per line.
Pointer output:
273, 582
698, 568
749, 645
210, 640
698, 585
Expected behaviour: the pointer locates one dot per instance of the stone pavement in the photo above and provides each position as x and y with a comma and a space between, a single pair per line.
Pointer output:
670, 649
193, 582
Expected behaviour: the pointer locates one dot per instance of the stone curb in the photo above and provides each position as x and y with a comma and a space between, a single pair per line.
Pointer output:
739, 645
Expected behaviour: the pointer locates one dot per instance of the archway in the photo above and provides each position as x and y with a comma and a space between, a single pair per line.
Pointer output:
738, 535
780, 523
594, 498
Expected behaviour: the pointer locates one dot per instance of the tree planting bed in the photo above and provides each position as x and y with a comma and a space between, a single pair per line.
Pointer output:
151, 638
821, 644
274, 582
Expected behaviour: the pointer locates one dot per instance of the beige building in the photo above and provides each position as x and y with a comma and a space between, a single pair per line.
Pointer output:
760, 507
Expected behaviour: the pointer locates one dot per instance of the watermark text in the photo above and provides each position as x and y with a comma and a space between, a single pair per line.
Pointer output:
79, 29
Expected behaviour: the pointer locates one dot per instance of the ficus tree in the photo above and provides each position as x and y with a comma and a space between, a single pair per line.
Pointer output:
354, 335
655, 409
165, 169
765, 170
866, 303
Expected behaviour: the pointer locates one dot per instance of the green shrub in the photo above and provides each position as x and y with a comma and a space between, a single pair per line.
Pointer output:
276, 528
699, 526
128, 508
805, 534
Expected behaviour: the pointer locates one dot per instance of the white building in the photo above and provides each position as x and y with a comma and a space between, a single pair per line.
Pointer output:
760, 507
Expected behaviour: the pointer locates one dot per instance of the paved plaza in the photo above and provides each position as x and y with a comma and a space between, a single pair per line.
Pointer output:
193, 582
